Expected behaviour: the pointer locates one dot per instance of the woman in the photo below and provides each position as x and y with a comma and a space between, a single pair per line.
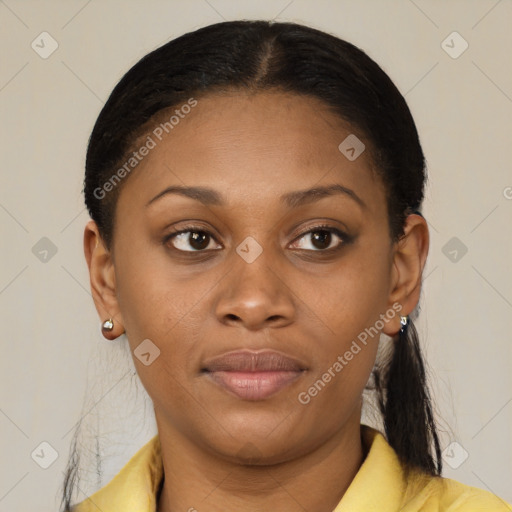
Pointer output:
255, 192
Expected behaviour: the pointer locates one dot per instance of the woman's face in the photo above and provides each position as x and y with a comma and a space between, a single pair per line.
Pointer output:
263, 264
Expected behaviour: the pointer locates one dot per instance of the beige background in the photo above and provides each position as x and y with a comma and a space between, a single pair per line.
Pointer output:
463, 110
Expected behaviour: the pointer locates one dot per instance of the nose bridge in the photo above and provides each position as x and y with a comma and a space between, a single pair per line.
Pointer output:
254, 292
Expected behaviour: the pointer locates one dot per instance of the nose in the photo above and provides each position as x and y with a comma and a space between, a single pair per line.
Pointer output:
255, 296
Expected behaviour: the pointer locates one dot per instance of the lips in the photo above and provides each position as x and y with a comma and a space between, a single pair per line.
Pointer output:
251, 375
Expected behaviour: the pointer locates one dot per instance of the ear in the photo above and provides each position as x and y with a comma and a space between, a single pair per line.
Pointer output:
408, 262
102, 279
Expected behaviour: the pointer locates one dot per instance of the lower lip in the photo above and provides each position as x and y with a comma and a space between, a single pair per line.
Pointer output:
254, 385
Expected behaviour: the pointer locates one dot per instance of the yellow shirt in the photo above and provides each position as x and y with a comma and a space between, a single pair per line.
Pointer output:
379, 486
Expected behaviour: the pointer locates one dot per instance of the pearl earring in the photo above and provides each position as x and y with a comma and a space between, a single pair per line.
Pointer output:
107, 325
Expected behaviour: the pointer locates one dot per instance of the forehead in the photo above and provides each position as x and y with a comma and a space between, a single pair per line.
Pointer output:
256, 145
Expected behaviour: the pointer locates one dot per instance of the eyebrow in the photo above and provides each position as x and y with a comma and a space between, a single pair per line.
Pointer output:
208, 196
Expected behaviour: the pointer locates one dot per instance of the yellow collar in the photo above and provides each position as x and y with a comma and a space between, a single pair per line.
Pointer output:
379, 485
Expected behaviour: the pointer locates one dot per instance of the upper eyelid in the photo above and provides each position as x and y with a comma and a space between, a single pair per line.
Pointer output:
199, 229
320, 227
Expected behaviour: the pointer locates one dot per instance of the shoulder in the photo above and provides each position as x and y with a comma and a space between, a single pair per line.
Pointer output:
438, 494
383, 484
134, 488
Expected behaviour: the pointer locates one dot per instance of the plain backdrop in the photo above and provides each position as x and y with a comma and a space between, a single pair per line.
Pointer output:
55, 367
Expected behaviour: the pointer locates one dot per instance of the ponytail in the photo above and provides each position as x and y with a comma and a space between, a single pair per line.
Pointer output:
404, 401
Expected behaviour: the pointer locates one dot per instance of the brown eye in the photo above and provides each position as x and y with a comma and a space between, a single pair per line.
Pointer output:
199, 240
192, 241
321, 239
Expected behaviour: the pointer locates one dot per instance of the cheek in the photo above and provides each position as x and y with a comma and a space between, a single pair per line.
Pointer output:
350, 304
158, 302
355, 293
154, 308
151, 293
345, 354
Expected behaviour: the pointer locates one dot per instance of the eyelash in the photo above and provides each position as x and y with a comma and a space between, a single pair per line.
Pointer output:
345, 239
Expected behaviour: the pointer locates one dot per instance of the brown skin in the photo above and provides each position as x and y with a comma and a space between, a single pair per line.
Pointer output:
221, 452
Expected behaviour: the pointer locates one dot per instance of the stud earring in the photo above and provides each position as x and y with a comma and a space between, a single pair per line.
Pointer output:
404, 321
107, 325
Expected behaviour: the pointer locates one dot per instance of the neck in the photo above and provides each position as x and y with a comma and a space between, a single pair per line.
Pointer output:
198, 481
